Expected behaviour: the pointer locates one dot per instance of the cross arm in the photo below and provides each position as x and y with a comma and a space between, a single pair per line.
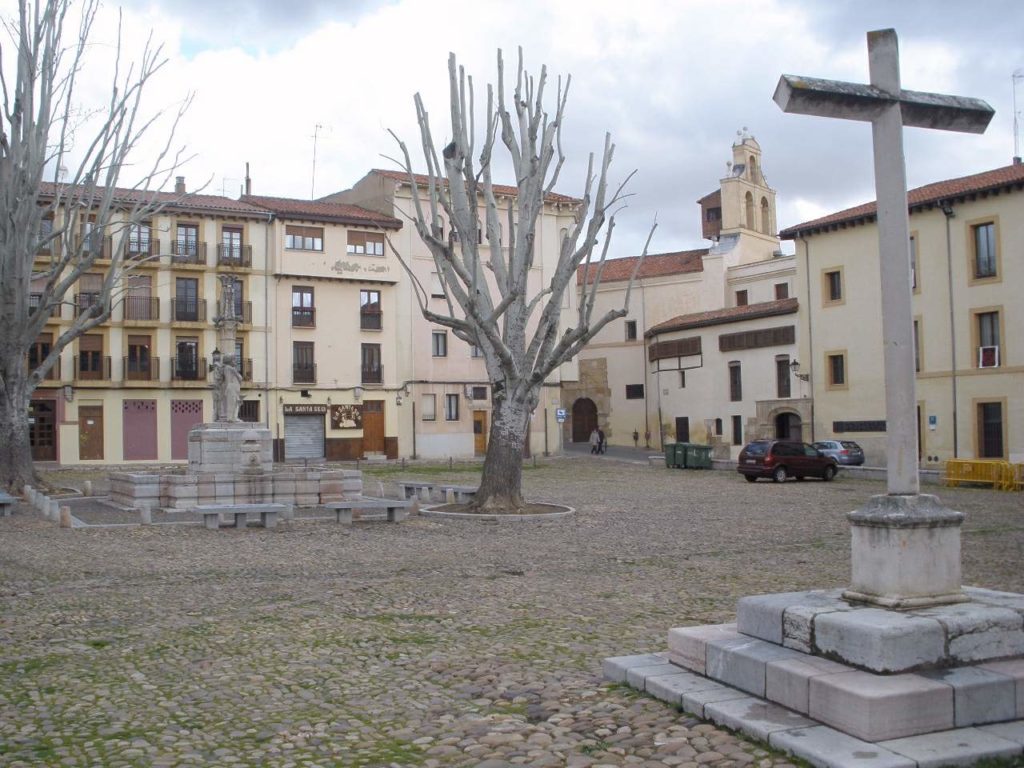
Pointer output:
857, 101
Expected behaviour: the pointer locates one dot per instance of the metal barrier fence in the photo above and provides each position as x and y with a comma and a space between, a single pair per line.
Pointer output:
1001, 475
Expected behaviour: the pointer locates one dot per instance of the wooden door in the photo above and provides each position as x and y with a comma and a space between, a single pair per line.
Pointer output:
373, 426
90, 432
584, 419
42, 430
479, 433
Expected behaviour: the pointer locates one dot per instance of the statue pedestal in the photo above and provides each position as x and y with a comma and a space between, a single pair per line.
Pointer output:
230, 447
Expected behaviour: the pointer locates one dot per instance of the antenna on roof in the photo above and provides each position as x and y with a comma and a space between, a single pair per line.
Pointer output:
1018, 74
316, 135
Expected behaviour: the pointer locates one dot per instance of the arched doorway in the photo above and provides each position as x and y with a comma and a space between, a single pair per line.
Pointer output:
788, 426
584, 419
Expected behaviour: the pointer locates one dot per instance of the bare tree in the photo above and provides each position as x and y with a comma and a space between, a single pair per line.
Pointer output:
518, 328
52, 233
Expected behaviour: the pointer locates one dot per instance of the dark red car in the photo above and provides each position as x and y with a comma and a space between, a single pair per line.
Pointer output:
779, 459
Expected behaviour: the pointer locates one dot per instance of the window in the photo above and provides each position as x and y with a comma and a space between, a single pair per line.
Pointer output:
249, 411
186, 300
833, 288
303, 365
682, 379
370, 317
239, 301
984, 236
735, 382
749, 200
634, 391
990, 431
372, 372
436, 288
917, 345
631, 330
243, 366
139, 304
836, 366
718, 427
139, 364
39, 350
303, 310
439, 344
90, 356
782, 290
479, 393
45, 233
737, 430
187, 365
304, 238
185, 247
741, 298
913, 263
90, 288
766, 217
92, 238
139, 241
451, 407
428, 405
231, 250
988, 339
782, 377
475, 351
369, 243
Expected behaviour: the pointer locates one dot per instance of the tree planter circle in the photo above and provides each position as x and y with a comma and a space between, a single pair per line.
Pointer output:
556, 511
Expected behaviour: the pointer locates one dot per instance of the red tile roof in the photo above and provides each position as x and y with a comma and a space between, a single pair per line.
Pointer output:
499, 189
319, 210
655, 265
175, 202
1008, 177
728, 315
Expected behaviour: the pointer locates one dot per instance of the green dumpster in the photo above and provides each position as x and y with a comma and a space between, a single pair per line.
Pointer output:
670, 455
698, 456
681, 449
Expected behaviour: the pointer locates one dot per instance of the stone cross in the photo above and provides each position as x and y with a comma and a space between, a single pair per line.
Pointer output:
888, 108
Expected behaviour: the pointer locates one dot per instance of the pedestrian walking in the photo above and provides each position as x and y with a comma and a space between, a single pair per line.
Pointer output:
600, 440
595, 441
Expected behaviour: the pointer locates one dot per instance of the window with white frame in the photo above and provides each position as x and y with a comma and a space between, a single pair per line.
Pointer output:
304, 238
368, 243
439, 344
428, 407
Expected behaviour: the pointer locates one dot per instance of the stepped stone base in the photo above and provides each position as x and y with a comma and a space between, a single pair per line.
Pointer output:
834, 682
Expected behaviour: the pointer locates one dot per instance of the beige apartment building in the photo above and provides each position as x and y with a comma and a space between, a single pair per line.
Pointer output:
704, 353
337, 376
967, 269
132, 388
446, 390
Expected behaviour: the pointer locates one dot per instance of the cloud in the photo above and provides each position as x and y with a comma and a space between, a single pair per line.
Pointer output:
671, 81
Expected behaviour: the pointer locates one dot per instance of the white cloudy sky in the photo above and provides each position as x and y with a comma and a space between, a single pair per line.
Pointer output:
672, 80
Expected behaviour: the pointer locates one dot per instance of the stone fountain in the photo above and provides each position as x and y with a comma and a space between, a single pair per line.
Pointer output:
231, 461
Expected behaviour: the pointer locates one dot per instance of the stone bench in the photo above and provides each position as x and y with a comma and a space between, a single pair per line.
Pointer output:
395, 509
425, 491
268, 513
7, 502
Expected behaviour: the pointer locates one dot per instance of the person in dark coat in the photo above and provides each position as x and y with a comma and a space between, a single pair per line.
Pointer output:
600, 440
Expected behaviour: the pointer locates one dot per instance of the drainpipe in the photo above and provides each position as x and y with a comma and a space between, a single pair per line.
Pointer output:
810, 333
947, 210
266, 307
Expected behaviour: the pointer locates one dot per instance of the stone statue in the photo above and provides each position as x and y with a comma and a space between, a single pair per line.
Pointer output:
227, 390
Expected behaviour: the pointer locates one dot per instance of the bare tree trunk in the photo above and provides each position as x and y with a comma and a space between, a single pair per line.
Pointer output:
503, 467
15, 450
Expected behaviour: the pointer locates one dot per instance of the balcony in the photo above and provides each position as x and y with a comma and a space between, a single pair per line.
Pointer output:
303, 317
188, 252
188, 369
243, 311
188, 310
84, 301
373, 374
246, 369
304, 373
141, 308
234, 255
370, 319
92, 367
95, 244
35, 299
141, 369
141, 249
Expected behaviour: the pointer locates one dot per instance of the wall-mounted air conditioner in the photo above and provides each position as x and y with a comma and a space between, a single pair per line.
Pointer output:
988, 357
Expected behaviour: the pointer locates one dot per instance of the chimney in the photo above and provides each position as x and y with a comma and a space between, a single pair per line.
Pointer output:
179, 185
1016, 160
248, 181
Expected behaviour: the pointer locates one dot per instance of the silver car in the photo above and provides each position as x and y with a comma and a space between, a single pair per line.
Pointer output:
843, 451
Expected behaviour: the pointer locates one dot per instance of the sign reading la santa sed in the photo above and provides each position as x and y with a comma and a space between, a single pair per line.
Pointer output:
300, 408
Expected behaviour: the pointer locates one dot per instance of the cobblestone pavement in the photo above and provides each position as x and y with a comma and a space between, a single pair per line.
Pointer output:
428, 643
